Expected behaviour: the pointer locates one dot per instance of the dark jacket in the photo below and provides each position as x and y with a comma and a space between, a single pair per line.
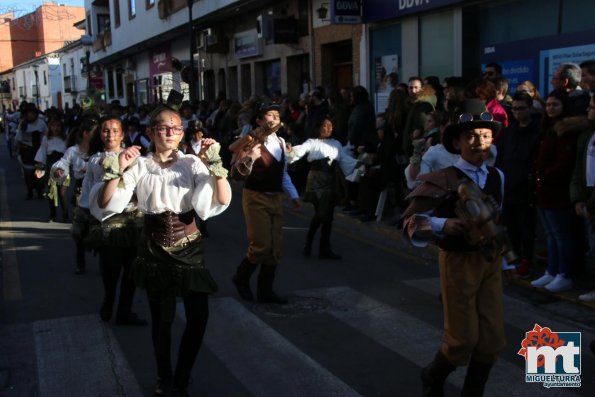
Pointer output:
361, 127
555, 163
516, 153
579, 192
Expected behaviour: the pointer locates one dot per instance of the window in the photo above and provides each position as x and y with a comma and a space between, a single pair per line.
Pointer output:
103, 23
45, 78
117, 13
110, 83
149, 3
143, 92
120, 82
131, 9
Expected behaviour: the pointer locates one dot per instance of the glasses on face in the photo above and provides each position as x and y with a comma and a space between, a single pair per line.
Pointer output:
166, 129
519, 108
467, 117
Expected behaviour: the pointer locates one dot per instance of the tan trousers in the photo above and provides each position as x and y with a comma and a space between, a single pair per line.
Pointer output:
473, 312
263, 214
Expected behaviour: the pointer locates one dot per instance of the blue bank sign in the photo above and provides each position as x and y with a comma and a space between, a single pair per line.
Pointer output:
346, 12
385, 9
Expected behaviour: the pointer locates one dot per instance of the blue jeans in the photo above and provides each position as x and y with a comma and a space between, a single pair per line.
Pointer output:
558, 231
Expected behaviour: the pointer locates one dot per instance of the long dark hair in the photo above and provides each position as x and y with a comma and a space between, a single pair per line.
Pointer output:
88, 123
96, 144
547, 122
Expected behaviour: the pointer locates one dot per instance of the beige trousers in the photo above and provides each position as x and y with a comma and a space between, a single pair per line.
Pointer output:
263, 214
473, 312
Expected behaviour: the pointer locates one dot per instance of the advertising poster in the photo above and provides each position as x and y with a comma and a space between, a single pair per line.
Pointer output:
549, 60
384, 66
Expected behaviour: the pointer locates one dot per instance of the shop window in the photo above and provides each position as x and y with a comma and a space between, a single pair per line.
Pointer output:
437, 44
577, 15
131, 9
518, 20
142, 90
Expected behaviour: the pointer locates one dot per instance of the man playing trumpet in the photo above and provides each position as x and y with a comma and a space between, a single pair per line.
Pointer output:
262, 161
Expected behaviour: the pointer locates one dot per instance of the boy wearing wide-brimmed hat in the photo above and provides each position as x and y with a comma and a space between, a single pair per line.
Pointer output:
470, 280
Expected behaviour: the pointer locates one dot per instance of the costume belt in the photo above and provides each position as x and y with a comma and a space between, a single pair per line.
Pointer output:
168, 228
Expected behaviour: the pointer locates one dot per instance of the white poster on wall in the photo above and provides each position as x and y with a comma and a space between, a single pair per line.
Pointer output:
385, 78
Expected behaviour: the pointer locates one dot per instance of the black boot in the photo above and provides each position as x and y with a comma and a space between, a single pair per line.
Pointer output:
314, 224
242, 279
265, 292
325, 242
476, 378
434, 375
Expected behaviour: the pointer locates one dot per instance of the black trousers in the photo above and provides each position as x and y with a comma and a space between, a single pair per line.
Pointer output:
163, 308
520, 223
116, 261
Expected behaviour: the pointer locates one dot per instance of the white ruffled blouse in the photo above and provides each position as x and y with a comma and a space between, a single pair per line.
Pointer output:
75, 158
181, 187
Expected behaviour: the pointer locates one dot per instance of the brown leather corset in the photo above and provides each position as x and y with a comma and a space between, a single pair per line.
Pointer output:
168, 227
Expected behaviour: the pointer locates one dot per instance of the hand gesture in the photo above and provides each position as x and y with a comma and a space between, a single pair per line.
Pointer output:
454, 227
205, 143
288, 147
128, 156
255, 152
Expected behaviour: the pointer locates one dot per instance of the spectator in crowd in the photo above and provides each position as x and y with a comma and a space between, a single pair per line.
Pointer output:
492, 71
30, 131
328, 161
414, 85
568, 77
470, 278
170, 188
339, 110
316, 109
454, 93
552, 173
135, 136
434, 82
424, 103
528, 87
486, 91
264, 165
52, 148
582, 192
516, 153
588, 76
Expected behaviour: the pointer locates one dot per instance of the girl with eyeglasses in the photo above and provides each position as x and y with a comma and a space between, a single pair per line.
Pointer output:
171, 188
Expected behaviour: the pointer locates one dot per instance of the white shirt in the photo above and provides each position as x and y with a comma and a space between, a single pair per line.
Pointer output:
53, 144
37, 125
75, 158
318, 149
434, 159
181, 187
93, 176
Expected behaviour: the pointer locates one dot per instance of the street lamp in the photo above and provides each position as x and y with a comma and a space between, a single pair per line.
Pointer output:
191, 82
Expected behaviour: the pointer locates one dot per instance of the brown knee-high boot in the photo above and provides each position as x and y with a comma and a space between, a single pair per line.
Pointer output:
476, 378
434, 375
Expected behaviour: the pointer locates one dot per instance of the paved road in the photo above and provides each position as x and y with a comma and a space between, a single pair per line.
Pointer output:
363, 326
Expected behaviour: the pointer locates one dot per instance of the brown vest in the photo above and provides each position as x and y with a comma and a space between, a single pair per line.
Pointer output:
267, 172
446, 209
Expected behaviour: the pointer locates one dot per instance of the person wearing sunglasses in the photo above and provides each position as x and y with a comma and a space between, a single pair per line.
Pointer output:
470, 271
171, 188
